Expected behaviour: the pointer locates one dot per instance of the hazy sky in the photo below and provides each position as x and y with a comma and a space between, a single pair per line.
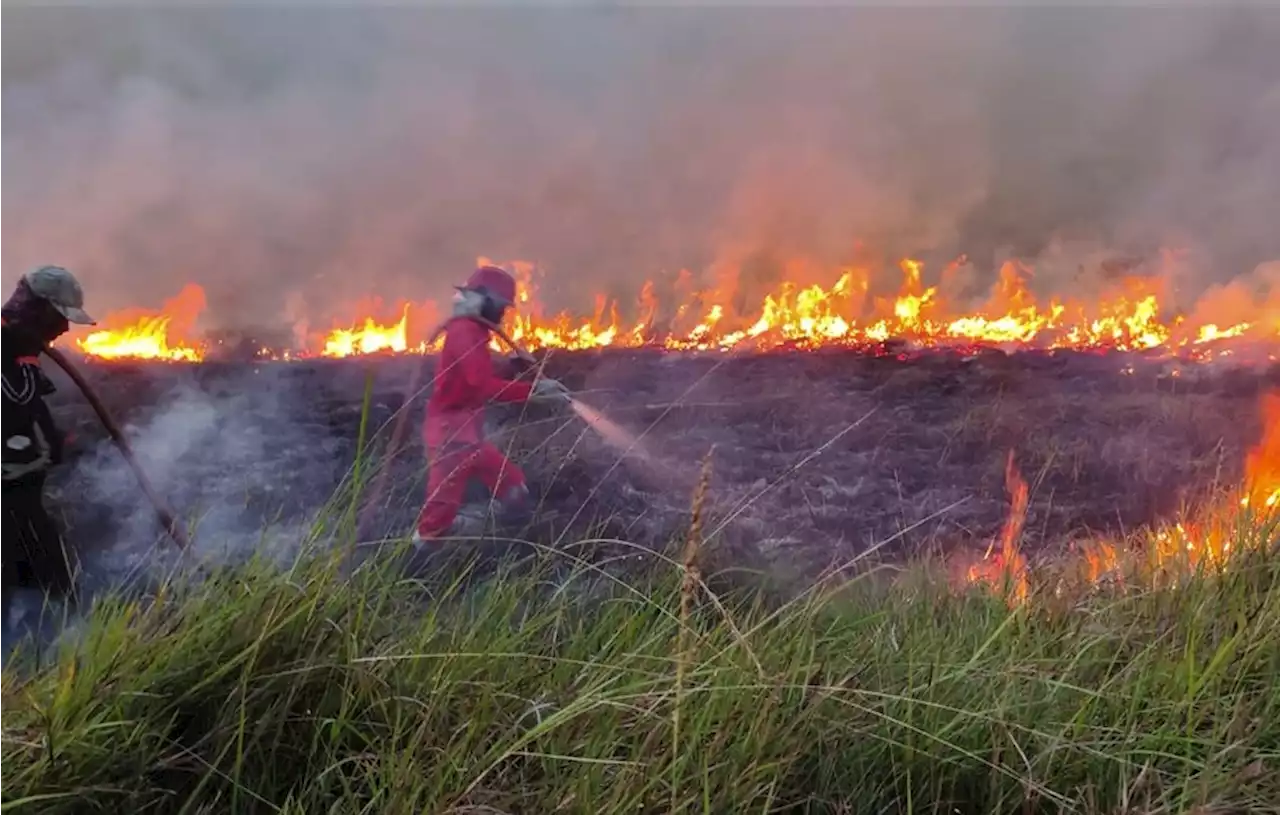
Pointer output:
348, 153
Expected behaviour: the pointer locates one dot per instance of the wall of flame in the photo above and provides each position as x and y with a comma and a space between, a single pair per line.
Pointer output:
1132, 315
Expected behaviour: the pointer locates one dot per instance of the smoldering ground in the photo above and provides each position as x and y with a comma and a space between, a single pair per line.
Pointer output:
293, 159
231, 457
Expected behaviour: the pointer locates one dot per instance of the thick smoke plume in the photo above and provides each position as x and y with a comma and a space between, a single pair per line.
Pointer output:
293, 161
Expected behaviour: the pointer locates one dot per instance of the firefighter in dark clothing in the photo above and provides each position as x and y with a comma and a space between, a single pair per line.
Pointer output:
454, 426
39, 311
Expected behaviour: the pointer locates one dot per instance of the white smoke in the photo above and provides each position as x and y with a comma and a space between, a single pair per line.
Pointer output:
341, 153
210, 457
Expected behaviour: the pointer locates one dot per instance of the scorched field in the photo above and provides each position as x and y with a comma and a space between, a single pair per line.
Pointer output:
815, 457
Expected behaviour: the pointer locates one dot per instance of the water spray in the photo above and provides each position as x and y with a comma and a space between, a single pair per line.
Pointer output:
609, 431
166, 517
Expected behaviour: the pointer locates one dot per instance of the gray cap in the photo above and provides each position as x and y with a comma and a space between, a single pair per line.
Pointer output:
60, 288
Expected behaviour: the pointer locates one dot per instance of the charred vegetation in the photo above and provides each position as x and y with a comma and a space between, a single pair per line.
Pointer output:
817, 456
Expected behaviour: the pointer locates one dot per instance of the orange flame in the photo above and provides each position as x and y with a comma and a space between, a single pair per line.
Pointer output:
150, 336
1129, 317
1262, 464
1206, 536
1100, 559
1008, 567
371, 338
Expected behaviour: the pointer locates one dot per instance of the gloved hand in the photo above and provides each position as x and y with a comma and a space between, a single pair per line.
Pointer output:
550, 390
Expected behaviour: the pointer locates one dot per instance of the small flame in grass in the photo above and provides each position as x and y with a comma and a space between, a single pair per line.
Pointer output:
1209, 537
1262, 465
146, 339
1100, 559
1005, 566
1211, 333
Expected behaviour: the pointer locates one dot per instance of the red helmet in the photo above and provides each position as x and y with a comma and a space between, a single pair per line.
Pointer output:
495, 283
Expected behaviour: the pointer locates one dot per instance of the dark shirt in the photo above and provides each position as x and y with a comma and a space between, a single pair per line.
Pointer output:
31, 440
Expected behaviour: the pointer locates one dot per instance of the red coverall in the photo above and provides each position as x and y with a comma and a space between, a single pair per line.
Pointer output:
454, 427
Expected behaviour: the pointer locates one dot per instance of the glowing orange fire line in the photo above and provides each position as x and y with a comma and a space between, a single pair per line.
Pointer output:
804, 317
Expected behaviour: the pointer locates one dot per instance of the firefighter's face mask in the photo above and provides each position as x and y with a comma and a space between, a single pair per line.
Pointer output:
34, 317
478, 303
493, 312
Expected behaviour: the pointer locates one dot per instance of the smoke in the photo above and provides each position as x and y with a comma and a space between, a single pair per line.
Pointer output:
234, 462
242, 458
293, 160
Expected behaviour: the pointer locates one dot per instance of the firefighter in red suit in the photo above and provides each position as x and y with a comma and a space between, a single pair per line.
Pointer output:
454, 427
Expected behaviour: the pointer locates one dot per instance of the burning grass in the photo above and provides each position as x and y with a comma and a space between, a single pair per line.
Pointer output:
561, 687
1130, 312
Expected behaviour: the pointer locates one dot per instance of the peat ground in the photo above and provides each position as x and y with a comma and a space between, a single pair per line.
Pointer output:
817, 455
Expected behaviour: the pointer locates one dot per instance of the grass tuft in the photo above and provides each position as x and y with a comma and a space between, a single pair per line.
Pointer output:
313, 690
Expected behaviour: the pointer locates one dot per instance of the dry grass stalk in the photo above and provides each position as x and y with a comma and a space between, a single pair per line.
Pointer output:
688, 587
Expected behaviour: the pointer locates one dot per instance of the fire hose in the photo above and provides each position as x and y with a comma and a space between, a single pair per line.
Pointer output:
411, 390
166, 517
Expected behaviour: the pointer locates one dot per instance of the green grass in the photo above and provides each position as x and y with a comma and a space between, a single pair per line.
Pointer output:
310, 691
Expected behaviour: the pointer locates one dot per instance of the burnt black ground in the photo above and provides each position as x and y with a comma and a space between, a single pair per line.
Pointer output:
817, 455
